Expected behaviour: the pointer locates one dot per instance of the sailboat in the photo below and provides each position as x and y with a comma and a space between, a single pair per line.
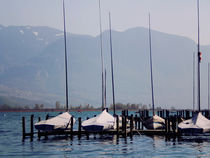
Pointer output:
103, 121
198, 124
62, 121
154, 122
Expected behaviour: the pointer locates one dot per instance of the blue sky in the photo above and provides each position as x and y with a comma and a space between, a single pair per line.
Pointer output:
170, 16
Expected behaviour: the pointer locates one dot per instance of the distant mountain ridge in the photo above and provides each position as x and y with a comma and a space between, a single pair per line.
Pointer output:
32, 63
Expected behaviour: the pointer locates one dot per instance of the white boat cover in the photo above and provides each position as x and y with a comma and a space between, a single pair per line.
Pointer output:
103, 121
155, 122
197, 124
62, 121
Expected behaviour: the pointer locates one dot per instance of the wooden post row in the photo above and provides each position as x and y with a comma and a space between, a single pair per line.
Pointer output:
23, 127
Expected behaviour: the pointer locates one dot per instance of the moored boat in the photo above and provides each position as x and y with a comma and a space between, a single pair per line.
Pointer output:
198, 124
154, 122
60, 122
103, 121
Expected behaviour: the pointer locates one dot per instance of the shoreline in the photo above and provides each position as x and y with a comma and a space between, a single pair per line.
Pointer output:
57, 110
46, 110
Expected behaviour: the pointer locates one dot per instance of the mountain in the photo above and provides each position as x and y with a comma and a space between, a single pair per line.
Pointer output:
32, 66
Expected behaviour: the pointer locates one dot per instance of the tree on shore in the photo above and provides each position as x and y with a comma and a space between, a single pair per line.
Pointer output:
121, 106
37, 106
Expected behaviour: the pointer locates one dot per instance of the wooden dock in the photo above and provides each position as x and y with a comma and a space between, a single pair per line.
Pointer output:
134, 127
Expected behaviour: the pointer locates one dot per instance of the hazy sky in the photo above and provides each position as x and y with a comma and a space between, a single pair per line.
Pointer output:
170, 16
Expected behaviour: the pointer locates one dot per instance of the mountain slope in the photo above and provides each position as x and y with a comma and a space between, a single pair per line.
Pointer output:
36, 66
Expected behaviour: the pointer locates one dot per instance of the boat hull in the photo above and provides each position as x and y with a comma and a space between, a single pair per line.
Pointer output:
50, 128
154, 125
44, 127
93, 128
191, 131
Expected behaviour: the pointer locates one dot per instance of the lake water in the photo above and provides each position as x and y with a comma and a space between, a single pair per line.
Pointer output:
11, 144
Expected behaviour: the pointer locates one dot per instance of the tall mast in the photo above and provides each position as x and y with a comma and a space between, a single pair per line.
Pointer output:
152, 88
194, 81
66, 70
199, 57
105, 89
110, 31
102, 62
208, 86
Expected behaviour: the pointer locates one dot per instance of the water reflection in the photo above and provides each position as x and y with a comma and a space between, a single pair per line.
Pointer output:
107, 145
197, 139
156, 141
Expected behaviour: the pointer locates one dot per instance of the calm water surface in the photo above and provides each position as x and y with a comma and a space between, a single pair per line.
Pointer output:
11, 144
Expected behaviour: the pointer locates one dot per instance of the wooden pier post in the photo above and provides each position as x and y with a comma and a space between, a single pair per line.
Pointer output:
123, 113
180, 113
23, 128
192, 113
79, 127
169, 124
206, 113
87, 134
173, 120
167, 113
183, 114
131, 125
72, 124
166, 125
135, 119
161, 113
147, 113
125, 126
142, 124
117, 123
47, 116
177, 122
187, 114
39, 119
209, 115
139, 122
32, 126
142, 114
